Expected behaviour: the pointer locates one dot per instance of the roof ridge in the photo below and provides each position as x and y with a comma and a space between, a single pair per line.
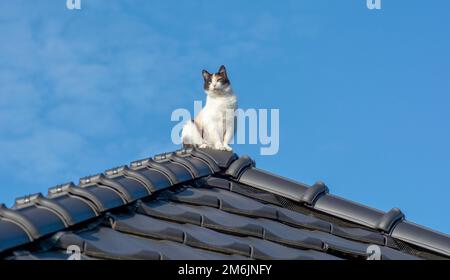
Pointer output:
98, 193
66, 205
391, 223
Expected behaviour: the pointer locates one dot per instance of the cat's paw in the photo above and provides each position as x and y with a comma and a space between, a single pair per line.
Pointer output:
219, 146
227, 148
203, 146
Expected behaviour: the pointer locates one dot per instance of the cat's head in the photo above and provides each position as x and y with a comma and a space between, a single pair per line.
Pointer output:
216, 84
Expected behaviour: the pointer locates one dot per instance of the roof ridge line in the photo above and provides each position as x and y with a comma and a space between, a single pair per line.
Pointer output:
391, 223
101, 192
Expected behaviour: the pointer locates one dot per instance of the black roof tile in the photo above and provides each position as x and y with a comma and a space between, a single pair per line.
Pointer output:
170, 211
174, 173
130, 191
147, 226
157, 179
205, 204
423, 237
269, 182
45, 220
358, 234
191, 235
267, 250
206, 158
349, 210
301, 220
314, 192
226, 201
104, 197
389, 219
136, 184
238, 166
12, 235
104, 242
284, 234
197, 167
222, 159
181, 172
38, 221
71, 209
203, 216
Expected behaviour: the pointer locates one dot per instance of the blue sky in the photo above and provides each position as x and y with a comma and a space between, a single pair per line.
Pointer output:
363, 94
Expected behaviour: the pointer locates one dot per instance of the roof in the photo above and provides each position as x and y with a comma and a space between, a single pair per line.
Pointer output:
206, 204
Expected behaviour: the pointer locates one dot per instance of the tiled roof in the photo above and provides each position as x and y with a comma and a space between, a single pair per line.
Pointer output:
205, 204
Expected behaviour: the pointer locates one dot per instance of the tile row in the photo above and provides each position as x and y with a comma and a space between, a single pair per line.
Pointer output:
238, 204
178, 219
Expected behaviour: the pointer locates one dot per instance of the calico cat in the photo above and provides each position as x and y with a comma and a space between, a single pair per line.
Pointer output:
213, 127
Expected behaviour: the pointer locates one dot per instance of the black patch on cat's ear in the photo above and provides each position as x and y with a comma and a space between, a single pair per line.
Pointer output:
206, 75
206, 78
223, 71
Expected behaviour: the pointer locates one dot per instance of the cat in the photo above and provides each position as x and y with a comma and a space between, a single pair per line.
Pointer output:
213, 127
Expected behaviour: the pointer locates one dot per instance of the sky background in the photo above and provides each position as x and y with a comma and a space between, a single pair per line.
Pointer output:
363, 94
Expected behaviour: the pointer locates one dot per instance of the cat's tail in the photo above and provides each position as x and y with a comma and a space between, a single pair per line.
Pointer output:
191, 135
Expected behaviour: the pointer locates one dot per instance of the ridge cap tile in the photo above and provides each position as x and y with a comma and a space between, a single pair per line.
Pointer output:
222, 158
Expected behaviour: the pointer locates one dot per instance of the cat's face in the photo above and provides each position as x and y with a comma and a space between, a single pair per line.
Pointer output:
216, 83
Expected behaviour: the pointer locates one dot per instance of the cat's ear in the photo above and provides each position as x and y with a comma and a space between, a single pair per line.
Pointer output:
206, 75
223, 70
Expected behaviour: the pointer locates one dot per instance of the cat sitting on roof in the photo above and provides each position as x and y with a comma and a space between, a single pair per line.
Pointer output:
213, 127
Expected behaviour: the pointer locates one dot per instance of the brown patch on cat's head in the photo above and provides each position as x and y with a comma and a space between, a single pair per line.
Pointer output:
217, 81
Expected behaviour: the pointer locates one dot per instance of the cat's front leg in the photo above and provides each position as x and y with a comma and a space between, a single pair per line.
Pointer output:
217, 142
213, 137
227, 139
229, 132
225, 144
